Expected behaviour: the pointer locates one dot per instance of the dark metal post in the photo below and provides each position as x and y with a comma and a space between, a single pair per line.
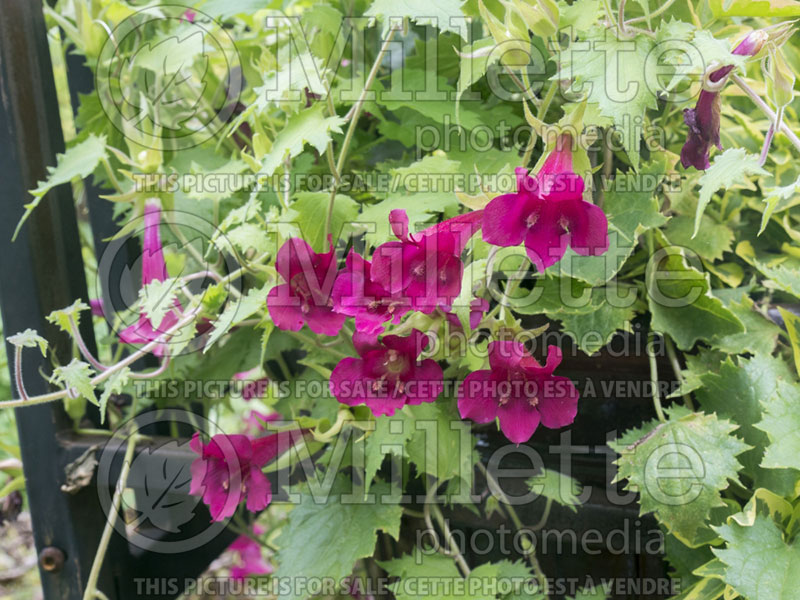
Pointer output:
40, 272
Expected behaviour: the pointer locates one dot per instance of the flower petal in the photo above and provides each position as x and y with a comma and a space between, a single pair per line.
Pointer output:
518, 420
546, 241
259, 490
587, 225
558, 403
284, 308
427, 383
504, 219
475, 401
347, 381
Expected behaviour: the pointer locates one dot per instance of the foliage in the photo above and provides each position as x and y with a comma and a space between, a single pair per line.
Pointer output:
287, 127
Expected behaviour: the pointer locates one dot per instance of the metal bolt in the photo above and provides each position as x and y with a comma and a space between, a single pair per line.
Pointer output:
51, 559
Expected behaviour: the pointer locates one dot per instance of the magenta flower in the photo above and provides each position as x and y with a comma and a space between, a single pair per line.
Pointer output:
153, 269
519, 392
548, 213
306, 295
254, 385
477, 307
98, 310
228, 471
426, 267
703, 119
387, 376
356, 295
251, 560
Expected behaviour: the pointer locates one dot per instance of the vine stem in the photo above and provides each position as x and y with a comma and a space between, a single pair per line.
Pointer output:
351, 129
451, 551
676, 367
651, 338
76, 334
655, 13
766, 109
651, 355
91, 592
128, 360
494, 486
18, 374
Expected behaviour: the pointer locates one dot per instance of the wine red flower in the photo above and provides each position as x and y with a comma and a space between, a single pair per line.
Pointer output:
703, 119
251, 560
253, 383
388, 375
154, 268
425, 267
306, 295
548, 213
356, 295
228, 470
519, 392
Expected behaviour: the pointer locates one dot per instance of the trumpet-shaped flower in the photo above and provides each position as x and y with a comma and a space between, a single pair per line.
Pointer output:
388, 374
548, 213
425, 267
356, 295
228, 471
519, 392
305, 298
154, 268
703, 119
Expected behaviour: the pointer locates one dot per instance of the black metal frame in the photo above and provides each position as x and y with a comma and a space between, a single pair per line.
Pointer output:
40, 272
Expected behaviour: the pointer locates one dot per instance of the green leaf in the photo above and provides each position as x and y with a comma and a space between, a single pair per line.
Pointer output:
422, 12
389, 438
303, 71
442, 444
760, 564
612, 74
157, 298
310, 126
236, 312
760, 334
325, 540
77, 162
729, 169
779, 199
782, 272
632, 208
715, 240
755, 8
77, 375
29, 338
705, 589
113, 385
224, 9
474, 62
590, 316
376, 216
680, 467
557, 487
62, 317
682, 305
310, 211
792, 322
781, 423
748, 381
